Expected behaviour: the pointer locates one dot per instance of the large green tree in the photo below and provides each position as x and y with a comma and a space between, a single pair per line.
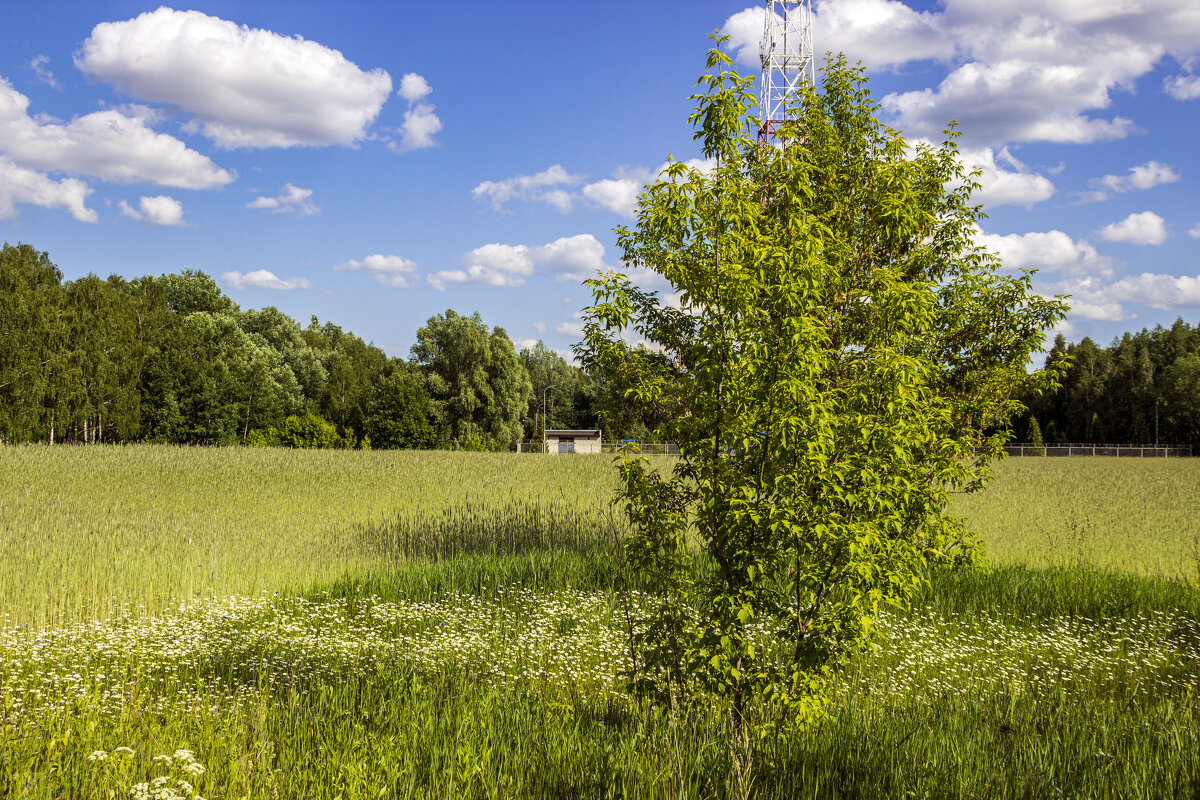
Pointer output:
478, 386
844, 357
399, 415
31, 325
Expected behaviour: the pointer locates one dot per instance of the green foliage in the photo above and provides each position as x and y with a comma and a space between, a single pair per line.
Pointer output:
399, 414
1034, 434
844, 358
30, 308
308, 431
476, 383
1119, 394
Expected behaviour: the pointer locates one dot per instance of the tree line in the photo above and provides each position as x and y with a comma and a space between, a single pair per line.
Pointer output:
1142, 389
171, 359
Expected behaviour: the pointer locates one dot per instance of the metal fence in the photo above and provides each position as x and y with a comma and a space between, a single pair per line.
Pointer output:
1117, 450
645, 448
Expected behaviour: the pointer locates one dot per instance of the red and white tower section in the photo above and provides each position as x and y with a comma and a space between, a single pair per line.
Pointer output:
787, 62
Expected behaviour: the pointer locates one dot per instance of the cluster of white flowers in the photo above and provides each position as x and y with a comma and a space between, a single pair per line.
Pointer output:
926, 653
573, 642
171, 787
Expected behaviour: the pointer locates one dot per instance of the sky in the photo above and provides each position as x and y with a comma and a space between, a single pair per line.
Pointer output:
377, 163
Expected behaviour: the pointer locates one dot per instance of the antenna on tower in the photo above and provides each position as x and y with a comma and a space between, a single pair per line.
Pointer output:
787, 62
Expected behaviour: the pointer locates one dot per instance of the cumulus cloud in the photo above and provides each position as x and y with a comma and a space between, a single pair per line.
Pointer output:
1164, 292
243, 87
570, 257
386, 269
618, 195
1049, 251
1028, 70
1093, 299
1194, 231
38, 65
569, 328
159, 210
1145, 176
420, 124
263, 279
21, 185
880, 33
1144, 228
290, 198
413, 87
420, 120
1016, 186
546, 186
109, 144
1183, 87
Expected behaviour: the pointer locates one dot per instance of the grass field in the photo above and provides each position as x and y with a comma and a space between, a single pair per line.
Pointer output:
348, 624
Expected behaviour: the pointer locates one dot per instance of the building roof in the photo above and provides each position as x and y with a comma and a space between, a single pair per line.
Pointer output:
553, 432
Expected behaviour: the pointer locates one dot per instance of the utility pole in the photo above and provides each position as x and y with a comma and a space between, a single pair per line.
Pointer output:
544, 418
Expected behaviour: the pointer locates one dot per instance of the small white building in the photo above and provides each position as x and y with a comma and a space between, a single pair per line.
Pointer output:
572, 441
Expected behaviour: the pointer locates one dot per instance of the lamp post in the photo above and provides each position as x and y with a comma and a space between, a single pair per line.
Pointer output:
548, 388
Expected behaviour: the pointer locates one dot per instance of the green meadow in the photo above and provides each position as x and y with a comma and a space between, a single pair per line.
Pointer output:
263, 623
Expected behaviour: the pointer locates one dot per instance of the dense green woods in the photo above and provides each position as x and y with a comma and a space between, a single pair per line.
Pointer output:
1122, 393
171, 359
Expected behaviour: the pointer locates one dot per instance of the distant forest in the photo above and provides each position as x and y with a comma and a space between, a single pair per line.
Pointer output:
1143, 388
172, 359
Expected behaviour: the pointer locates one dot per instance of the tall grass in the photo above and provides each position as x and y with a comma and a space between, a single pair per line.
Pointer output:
447, 625
1136, 515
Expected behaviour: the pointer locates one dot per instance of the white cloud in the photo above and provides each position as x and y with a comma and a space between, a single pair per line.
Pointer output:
1050, 251
542, 187
1194, 231
441, 279
1018, 186
879, 33
524, 343
1090, 299
569, 328
571, 257
21, 185
388, 270
159, 210
1032, 70
616, 195
263, 279
420, 121
1144, 228
290, 198
1144, 176
38, 65
413, 87
244, 87
106, 144
1164, 292
1024, 70
540, 327
420, 124
1183, 87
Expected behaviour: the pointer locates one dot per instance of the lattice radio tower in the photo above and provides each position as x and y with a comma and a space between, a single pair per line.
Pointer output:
787, 62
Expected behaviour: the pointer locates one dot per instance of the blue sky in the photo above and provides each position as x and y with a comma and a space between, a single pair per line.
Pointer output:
377, 163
